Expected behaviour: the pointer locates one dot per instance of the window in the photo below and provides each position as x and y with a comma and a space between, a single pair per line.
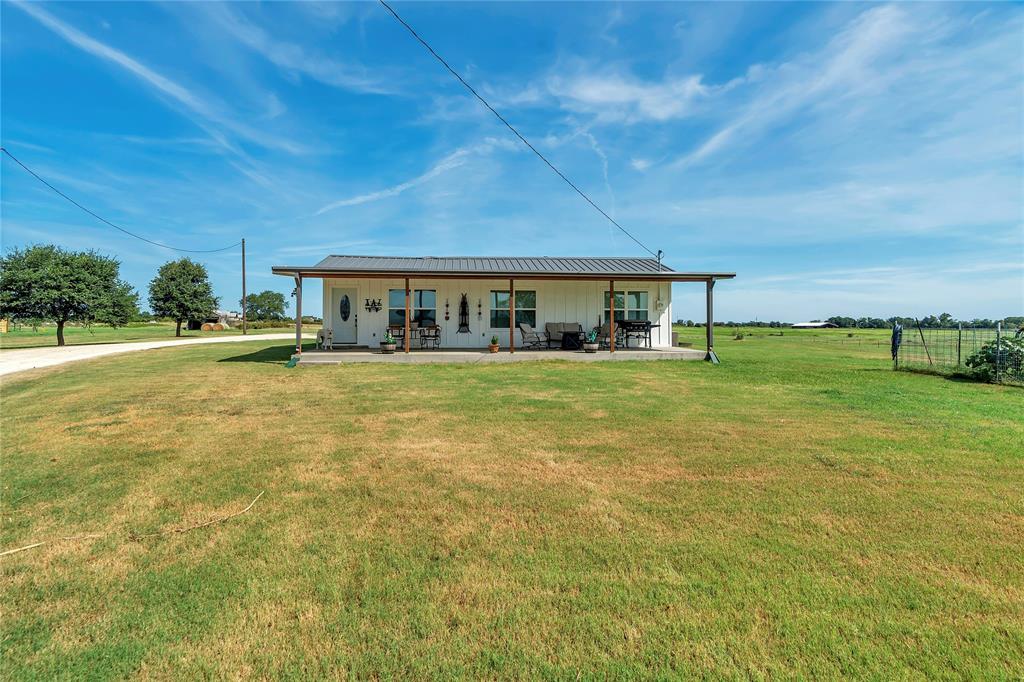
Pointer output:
631, 305
422, 303
526, 309
636, 305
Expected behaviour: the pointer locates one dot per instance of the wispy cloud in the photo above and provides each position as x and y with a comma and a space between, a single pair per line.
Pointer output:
204, 114
21, 144
618, 96
326, 248
842, 69
887, 275
613, 20
451, 161
294, 57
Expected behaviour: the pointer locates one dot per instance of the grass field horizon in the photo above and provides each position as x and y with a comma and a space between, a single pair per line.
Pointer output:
800, 510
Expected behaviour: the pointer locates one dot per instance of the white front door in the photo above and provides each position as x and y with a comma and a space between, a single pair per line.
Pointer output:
343, 315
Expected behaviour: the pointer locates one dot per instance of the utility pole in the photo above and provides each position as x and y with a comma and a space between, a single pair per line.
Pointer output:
244, 329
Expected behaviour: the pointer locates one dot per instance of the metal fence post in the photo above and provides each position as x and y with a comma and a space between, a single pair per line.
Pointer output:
999, 353
959, 337
923, 342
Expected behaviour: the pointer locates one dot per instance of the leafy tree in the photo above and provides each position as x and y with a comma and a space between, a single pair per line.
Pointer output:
266, 305
181, 291
47, 282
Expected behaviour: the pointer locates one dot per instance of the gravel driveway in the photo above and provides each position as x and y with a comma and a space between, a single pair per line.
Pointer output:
21, 359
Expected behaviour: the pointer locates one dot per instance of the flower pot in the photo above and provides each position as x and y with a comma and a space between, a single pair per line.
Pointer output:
387, 348
590, 347
493, 347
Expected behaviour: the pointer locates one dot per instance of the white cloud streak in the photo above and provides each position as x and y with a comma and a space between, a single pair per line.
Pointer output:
292, 57
842, 69
453, 160
204, 112
619, 97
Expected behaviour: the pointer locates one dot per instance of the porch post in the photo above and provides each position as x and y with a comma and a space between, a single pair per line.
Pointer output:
511, 316
711, 357
611, 316
298, 314
406, 314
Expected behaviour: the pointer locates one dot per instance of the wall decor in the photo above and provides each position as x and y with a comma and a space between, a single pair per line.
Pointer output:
446, 310
463, 315
373, 305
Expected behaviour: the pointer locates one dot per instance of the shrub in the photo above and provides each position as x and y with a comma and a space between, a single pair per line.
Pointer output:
1010, 356
738, 337
268, 324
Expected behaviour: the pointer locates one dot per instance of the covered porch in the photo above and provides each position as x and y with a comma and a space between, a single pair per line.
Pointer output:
462, 305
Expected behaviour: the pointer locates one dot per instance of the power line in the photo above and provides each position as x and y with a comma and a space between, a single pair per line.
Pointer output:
104, 220
510, 127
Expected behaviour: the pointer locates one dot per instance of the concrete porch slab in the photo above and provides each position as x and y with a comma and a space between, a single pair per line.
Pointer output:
419, 357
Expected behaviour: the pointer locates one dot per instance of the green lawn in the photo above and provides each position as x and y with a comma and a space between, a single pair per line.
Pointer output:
799, 510
26, 337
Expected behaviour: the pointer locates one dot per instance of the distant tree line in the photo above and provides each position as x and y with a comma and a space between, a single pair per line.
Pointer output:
943, 321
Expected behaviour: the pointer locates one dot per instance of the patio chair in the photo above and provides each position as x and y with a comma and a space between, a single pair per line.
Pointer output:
604, 336
430, 337
532, 339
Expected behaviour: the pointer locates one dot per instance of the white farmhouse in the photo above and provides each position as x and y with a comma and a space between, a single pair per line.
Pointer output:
464, 302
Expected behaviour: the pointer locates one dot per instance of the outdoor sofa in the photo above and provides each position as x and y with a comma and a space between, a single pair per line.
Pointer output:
555, 331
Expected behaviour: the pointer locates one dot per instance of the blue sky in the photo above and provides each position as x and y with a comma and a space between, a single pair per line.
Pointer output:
842, 158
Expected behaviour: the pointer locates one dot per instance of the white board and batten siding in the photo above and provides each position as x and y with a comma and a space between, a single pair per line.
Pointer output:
557, 301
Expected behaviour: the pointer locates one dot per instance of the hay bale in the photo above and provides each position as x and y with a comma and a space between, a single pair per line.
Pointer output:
218, 327
207, 327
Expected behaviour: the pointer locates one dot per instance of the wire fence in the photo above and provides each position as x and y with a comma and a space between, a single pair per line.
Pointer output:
992, 354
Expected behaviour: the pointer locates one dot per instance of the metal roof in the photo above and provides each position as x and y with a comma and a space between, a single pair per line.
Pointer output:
498, 264
503, 266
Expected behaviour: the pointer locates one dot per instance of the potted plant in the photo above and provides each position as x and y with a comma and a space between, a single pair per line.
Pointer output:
494, 344
590, 344
387, 344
